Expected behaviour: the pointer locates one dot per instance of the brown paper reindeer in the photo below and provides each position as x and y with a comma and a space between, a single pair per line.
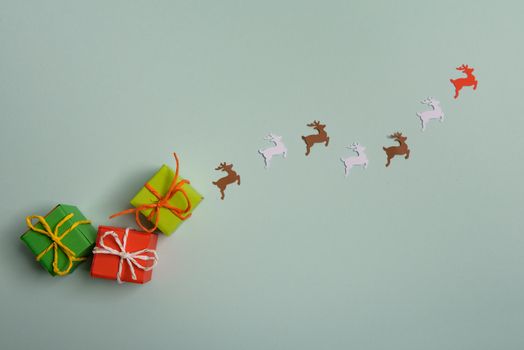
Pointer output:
401, 149
321, 137
230, 178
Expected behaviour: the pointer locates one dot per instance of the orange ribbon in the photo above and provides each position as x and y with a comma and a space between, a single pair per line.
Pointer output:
163, 202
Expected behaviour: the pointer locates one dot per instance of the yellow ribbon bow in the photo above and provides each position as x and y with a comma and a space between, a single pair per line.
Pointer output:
57, 240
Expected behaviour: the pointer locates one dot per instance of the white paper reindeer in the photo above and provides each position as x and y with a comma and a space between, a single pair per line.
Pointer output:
360, 159
434, 113
278, 149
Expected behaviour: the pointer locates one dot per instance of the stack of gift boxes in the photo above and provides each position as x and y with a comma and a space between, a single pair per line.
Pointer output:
64, 238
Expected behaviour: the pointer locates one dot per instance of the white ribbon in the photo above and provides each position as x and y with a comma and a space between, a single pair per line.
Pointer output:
130, 257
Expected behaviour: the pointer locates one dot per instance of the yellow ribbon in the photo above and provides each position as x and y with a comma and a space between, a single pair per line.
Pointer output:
57, 241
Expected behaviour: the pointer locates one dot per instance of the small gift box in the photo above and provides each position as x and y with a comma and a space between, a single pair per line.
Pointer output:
124, 254
166, 201
61, 239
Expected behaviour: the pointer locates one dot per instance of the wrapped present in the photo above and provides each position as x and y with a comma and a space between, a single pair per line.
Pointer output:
124, 254
61, 239
166, 200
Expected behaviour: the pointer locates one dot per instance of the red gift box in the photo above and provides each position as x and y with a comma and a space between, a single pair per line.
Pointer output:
124, 254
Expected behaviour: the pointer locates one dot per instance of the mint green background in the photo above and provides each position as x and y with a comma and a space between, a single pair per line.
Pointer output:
427, 254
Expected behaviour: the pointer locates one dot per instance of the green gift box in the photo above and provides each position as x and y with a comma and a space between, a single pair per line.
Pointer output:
161, 183
61, 239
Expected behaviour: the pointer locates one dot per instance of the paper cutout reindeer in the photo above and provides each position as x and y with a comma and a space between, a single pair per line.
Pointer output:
320, 137
401, 149
278, 149
230, 178
469, 80
434, 113
360, 159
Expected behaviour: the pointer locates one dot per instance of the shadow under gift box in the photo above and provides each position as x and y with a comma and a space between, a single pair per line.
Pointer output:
107, 265
80, 240
161, 181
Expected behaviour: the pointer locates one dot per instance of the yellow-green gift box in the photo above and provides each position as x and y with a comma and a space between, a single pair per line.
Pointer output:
161, 182
80, 239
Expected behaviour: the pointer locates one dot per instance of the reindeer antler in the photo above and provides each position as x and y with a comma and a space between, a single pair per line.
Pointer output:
463, 67
315, 123
221, 166
395, 135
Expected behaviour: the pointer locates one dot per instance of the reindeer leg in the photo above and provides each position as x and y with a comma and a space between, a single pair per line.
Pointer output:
407, 154
389, 161
308, 147
387, 155
222, 193
456, 88
475, 85
327, 141
238, 179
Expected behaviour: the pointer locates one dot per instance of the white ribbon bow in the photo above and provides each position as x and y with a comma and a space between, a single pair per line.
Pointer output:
129, 257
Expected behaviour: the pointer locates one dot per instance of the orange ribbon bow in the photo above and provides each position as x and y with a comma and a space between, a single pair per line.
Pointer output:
163, 202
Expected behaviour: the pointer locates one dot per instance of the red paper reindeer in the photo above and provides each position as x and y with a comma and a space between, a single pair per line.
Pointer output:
230, 178
469, 80
320, 137
401, 149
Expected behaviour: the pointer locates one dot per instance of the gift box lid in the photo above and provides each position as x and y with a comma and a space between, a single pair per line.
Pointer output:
161, 182
107, 265
80, 240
